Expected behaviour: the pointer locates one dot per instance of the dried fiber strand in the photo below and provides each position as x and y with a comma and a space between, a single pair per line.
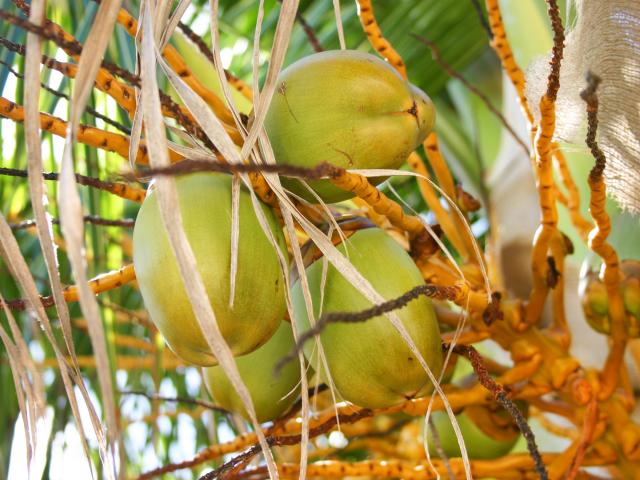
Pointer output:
605, 39
431, 291
501, 397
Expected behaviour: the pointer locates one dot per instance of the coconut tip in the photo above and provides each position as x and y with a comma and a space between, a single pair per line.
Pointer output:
425, 113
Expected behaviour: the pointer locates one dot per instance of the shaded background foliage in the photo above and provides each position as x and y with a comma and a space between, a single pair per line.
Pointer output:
470, 134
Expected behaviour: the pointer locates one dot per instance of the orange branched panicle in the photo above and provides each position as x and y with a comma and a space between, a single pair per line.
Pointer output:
377, 40
544, 173
611, 274
124, 94
543, 373
560, 247
105, 81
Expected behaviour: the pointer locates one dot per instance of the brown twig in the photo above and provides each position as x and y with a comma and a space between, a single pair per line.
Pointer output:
500, 395
183, 120
93, 219
553, 84
135, 194
472, 88
309, 31
286, 440
197, 40
591, 98
483, 20
431, 291
206, 51
189, 166
190, 401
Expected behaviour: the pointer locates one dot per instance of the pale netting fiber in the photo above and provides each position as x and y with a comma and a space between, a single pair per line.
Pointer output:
606, 41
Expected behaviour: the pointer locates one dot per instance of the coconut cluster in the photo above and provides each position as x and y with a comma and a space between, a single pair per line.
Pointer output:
595, 299
346, 108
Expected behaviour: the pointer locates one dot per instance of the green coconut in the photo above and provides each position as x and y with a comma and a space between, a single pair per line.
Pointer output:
595, 299
259, 302
272, 394
370, 364
479, 442
347, 108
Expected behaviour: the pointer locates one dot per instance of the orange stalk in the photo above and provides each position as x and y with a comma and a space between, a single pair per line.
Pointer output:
544, 174
440, 168
168, 361
381, 44
611, 274
445, 180
501, 45
239, 85
549, 220
583, 225
101, 283
382, 204
126, 191
587, 435
433, 202
559, 251
105, 82
94, 137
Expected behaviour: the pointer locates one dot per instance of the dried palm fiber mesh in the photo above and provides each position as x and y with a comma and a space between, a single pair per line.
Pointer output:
605, 40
